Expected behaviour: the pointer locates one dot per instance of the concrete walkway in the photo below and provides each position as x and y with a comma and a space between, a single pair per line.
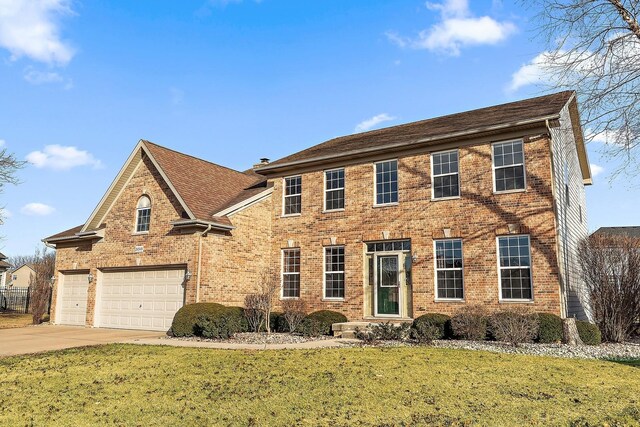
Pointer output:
36, 339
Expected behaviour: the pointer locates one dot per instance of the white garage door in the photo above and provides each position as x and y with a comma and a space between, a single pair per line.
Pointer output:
72, 299
144, 300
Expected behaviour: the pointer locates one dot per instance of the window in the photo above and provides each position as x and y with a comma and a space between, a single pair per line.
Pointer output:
292, 195
334, 189
334, 272
449, 275
386, 182
390, 245
291, 273
508, 166
143, 215
515, 267
444, 172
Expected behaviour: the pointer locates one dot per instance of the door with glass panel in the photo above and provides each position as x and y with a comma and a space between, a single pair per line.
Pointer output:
388, 285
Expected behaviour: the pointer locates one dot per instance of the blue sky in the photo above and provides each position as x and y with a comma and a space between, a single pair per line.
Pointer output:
233, 81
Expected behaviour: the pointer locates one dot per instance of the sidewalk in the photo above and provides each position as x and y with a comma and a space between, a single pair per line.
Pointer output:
331, 343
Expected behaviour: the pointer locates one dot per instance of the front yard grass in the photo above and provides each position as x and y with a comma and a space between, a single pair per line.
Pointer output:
15, 320
156, 385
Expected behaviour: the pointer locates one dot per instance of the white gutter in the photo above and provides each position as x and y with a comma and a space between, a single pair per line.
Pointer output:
198, 222
406, 144
200, 261
245, 203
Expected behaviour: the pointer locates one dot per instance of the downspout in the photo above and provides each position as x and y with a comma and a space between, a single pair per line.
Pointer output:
200, 260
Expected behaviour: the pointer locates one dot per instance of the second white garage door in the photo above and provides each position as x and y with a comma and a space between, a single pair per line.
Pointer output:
145, 300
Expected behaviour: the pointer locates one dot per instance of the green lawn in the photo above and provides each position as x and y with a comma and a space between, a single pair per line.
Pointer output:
154, 385
15, 320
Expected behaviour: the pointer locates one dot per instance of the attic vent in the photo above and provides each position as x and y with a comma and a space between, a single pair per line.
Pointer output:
184, 215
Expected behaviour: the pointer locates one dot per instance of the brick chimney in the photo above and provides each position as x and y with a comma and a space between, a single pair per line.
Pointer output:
263, 162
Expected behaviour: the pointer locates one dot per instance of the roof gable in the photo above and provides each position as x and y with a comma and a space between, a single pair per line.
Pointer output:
202, 188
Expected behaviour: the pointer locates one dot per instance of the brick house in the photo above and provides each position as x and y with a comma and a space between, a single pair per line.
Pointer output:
482, 207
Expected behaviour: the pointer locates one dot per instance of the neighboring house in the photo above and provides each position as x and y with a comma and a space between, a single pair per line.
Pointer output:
625, 231
483, 207
21, 276
4, 267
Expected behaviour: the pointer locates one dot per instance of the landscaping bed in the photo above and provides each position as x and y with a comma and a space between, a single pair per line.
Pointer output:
259, 338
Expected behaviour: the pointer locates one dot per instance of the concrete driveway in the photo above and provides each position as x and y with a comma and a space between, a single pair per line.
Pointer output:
34, 339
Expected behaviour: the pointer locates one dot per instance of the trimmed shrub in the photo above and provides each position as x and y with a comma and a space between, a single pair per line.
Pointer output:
222, 323
184, 321
589, 333
470, 323
514, 326
295, 310
319, 322
278, 323
550, 328
431, 326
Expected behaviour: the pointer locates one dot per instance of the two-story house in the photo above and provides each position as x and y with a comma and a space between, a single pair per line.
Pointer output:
481, 207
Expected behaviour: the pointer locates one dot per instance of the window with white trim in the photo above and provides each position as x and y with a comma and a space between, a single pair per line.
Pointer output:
291, 273
334, 189
292, 195
386, 182
508, 166
445, 175
449, 273
515, 267
334, 272
143, 214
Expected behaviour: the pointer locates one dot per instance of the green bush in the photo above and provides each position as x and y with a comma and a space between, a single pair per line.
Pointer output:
431, 326
278, 323
184, 321
319, 322
550, 329
222, 323
589, 333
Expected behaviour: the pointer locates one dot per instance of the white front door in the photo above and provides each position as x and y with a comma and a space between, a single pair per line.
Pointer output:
145, 300
72, 299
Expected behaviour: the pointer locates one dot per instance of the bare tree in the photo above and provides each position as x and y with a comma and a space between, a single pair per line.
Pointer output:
611, 269
594, 47
295, 310
259, 305
9, 165
40, 283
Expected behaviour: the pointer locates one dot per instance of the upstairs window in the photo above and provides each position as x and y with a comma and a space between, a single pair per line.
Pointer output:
334, 189
508, 166
292, 195
143, 214
291, 273
515, 267
444, 173
386, 182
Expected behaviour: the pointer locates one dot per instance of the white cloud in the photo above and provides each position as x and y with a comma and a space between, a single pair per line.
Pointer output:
533, 73
2, 143
37, 209
41, 77
596, 169
457, 28
373, 122
5, 213
59, 157
31, 28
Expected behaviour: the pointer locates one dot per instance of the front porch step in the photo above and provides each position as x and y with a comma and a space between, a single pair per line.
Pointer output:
349, 329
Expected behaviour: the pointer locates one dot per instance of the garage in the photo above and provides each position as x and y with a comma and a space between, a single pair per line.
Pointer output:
140, 299
72, 299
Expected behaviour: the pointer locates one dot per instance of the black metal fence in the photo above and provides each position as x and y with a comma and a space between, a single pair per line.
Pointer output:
15, 300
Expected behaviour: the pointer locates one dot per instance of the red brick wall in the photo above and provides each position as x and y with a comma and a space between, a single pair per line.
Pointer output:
477, 217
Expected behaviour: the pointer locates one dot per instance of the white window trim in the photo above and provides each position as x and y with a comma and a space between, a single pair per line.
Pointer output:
282, 273
433, 197
135, 224
284, 195
375, 184
324, 273
524, 168
324, 197
435, 272
515, 300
